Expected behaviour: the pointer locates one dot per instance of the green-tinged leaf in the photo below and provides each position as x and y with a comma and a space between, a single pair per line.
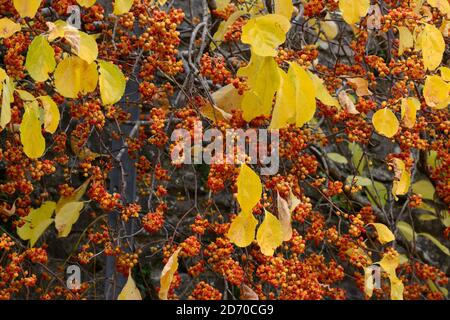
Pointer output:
358, 180
31, 133
425, 188
37, 222
40, 59
406, 230
377, 194
436, 242
112, 82
337, 157
358, 158
66, 217
427, 217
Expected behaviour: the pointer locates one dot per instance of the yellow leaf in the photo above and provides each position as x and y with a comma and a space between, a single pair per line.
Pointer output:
225, 99
30, 133
265, 33
284, 213
402, 178
258, 99
353, 10
224, 25
384, 234
40, 59
284, 8
167, 275
442, 5
433, 46
445, 73
130, 290
322, 93
406, 39
66, 217
397, 288
284, 111
305, 94
389, 263
362, 86
409, 108
270, 234
249, 188
425, 188
122, 6
242, 229
73, 75
8, 28
436, 92
385, 122
84, 46
368, 281
25, 95
27, 8
112, 82
8, 89
51, 114
37, 222
330, 29
86, 3
74, 197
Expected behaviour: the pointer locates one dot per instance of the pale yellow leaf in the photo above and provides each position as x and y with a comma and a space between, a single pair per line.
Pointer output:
130, 290
27, 8
8, 28
167, 275
249, 188
270, 234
